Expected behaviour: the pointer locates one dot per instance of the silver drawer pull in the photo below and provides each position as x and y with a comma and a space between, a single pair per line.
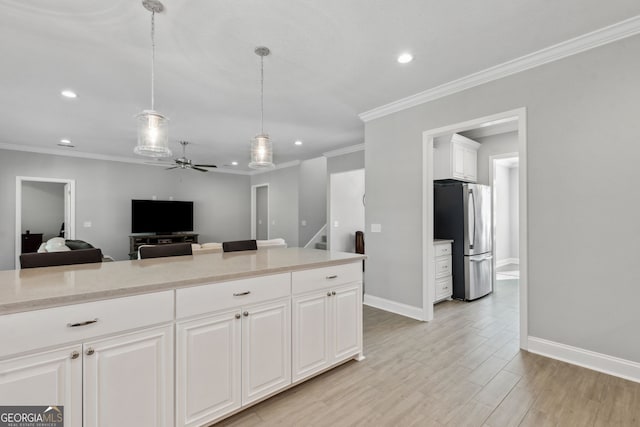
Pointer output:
239, 294
334, 276
85, 323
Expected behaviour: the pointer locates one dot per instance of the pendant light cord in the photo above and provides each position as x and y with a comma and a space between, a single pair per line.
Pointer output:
262, 95
153, 60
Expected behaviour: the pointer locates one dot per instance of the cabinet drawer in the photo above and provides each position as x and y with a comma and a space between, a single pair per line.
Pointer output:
443, 288
443, 266
320, 278
53, 326
442, 249
218, 296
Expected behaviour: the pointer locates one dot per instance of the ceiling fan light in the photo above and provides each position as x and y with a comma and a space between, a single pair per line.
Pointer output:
261, 152
153, 134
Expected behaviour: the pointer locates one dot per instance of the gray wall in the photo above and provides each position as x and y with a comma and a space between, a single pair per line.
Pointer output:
514, 223
345, 162
582, 131
491, 146
312, 198
104, 191
283, 202
502, 214
42, 208
262, 213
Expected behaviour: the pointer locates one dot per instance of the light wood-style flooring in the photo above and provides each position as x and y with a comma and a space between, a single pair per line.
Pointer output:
462, 369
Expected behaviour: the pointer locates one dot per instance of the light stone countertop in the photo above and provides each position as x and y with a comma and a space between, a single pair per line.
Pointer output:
441, 241
38, 288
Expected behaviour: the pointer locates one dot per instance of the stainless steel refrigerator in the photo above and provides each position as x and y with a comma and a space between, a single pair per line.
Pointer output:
462, 212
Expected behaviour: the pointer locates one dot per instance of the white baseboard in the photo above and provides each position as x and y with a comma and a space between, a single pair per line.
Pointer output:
588, 359
394, 307
507, 261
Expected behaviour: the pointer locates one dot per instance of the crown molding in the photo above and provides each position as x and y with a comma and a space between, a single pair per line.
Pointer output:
345, 150
278, 166
94, 156
602, 36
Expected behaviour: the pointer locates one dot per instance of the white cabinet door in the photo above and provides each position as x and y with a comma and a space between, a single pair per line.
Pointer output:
128, 380
52, 378
266, 349
347, 321
470, 161
208, 368
458, 160
310, 333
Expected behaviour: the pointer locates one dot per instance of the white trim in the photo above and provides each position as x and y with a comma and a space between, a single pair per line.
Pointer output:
278, 166
428, 275
393, 307
70, 210
94, 156
507, 261
345, 150
588, 359
602, 36
253, 210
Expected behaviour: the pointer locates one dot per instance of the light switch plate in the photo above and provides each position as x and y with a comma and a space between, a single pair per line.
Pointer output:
376, 228
86, 224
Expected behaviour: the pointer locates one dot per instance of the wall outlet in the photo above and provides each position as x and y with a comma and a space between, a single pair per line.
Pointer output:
86, 224
376, 228
303, 222
336, 224
154, 197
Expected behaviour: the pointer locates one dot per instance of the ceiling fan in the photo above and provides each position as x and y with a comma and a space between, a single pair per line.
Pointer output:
185, 163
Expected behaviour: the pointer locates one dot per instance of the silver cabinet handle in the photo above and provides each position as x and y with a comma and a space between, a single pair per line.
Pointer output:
328, 294
239, 294
90, 351
75, 355
85, 323
334, 276
238, 315
245, 314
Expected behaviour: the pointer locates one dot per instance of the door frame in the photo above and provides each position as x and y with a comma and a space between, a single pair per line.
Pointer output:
254, 206
492, 179
428, 273
69, 209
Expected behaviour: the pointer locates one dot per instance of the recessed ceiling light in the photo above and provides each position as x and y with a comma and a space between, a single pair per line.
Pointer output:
405, 58
234, 163
68, 93
298, 142
65, 141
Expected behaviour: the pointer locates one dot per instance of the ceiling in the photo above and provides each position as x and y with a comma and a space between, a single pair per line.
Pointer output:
331, 60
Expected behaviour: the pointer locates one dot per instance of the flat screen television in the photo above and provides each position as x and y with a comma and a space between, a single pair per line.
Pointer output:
161, 216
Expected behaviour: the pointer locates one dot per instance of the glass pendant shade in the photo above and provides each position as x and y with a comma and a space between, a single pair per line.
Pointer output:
261, 153
153, 134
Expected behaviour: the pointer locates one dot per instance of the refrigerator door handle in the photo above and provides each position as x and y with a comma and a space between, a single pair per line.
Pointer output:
486, 258
472, 213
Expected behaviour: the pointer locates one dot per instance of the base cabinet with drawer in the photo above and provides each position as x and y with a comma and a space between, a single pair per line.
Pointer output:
232, 358
443, 288
123, 380
327, 318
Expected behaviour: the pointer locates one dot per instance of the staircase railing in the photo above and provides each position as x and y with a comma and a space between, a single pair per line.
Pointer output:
316, 237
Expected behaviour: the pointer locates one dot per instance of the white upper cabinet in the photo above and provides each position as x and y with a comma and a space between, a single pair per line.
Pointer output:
455, 158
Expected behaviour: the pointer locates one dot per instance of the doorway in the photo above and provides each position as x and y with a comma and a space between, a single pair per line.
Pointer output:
260, 212
346, 209
45, 208
504, 200
428, 280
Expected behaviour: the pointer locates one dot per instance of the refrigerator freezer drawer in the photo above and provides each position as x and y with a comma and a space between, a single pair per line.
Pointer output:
478, 272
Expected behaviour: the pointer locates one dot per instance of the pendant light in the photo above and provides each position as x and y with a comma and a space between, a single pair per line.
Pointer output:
261, 149
153, 127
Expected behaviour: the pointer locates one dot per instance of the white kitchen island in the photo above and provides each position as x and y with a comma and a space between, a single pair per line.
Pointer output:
124, 343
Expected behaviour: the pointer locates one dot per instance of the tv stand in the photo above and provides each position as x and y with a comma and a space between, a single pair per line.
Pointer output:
137, 240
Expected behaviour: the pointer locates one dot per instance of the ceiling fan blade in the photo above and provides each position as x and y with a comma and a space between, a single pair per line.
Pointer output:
206, 166
172, 167
198, 169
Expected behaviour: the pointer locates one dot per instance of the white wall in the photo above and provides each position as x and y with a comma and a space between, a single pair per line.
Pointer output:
42, 208
514, 217
582, 131
346, 209
104, 190
503, 215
